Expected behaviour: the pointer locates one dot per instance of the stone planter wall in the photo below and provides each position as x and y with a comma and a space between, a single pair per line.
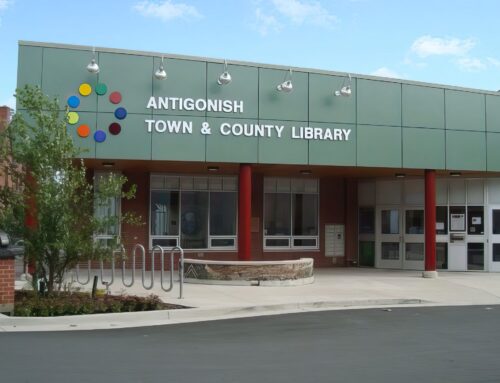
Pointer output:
267, 273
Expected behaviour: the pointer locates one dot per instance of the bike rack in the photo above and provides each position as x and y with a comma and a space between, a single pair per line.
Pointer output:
146, 286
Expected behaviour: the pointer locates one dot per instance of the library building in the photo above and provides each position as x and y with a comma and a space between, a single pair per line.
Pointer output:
240, 161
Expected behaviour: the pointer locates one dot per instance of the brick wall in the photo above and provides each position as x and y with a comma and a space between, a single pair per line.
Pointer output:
7, 274
338, 205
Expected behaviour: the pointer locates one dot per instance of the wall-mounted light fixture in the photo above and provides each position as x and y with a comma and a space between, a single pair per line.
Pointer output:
225, 78
286, 86
455, 174
108, 164
160, 73
213, 169
306, 172
400, 175
346, 90
93, 67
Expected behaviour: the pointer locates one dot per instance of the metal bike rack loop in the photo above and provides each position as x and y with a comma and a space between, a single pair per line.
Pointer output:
111, 281
78, 273
181, 267
133, 268
162, 271
143, 274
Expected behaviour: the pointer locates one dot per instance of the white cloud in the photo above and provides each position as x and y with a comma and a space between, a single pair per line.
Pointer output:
469, 64
302, 12
493, 62
4, 4
265, 23
427, 45
166, 10
386, 72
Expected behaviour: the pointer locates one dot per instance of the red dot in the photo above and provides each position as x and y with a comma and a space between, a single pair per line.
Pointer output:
115, 128
115, 97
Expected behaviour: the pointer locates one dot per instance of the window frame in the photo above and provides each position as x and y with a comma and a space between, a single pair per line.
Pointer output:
291, 238
230, 179
107, 237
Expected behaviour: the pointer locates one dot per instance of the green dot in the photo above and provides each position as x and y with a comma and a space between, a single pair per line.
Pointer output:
101, 89
73, 118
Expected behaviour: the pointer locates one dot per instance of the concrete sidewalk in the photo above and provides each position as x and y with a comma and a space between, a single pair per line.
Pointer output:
333, 289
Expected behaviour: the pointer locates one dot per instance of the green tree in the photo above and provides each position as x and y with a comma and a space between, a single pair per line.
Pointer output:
54, 188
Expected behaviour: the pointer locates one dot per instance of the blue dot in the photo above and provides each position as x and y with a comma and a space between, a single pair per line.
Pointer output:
120, 113
99, 136
73, 102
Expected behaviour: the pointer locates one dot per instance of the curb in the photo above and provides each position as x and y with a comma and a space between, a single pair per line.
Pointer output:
167, 317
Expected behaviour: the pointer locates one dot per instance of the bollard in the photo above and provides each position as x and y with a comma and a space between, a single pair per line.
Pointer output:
94, 286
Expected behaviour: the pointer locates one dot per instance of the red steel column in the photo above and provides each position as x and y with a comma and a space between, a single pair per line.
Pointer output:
245, 213
430, 223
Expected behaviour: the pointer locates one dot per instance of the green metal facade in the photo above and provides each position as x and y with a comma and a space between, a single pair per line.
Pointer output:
394, 123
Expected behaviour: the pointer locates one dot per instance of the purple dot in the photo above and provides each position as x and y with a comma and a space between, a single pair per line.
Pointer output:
115, 128
99, 136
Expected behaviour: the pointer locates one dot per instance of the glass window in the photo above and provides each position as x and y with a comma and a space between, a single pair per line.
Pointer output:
164, 242
277, 214
183, 208
194, 220
390, 250
106, 211
367, 253
496, 252
366, 220
442, 255
496, 221
414, 251
304, 242
291, 210
475, 220
222, 213
277, 242
305, 214
390, 221
442, 220
475, 256
164, 212
222, 242
414, 222
457, 218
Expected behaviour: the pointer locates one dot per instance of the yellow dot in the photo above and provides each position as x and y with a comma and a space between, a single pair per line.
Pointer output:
73, 118
85, 89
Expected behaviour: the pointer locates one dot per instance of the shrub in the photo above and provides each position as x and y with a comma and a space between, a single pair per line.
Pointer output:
28, 303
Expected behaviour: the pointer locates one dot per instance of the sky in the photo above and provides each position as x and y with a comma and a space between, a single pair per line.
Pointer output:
451, 42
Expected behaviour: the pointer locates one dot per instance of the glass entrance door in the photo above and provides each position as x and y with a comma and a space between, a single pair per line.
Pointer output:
413, 239
388, 252
494, 240
400, 238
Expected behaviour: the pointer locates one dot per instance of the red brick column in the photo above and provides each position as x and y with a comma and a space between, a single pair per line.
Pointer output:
430, 224
245, 213
7, 275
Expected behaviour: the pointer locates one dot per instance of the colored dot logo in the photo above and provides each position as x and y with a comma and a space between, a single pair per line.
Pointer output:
83, 130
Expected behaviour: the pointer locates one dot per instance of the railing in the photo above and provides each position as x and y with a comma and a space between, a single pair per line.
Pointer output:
147, 283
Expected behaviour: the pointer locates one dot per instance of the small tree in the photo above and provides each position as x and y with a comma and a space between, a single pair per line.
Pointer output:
54, 189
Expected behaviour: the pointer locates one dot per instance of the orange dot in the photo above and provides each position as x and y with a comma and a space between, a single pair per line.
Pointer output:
83, 131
